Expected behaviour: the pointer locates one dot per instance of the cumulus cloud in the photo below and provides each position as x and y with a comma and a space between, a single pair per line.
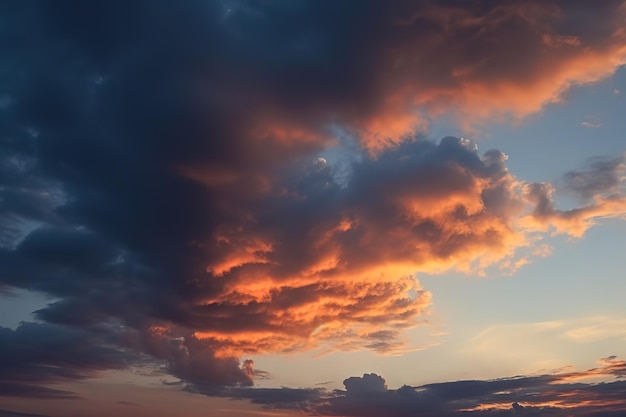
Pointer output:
369, 383
164, 175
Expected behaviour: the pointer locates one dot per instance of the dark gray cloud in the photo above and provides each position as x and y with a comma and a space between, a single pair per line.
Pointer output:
603, 176
156, 175
9, 413
545, 395
38, 353
16, 389
369, 383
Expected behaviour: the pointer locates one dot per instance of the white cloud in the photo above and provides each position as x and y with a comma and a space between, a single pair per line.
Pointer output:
593, 125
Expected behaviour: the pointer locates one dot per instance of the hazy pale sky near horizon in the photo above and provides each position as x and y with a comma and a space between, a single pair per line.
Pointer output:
235, 208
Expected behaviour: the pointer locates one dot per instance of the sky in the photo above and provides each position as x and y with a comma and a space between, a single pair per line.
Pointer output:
307, 208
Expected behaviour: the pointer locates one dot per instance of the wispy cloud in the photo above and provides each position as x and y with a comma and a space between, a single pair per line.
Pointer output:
540, 345
590, 124
603, 176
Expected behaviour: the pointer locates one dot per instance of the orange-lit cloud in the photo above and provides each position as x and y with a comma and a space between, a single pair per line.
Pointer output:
505, 62
568, 395
346, 316
408, 63
317, 265
611, 366
599, 188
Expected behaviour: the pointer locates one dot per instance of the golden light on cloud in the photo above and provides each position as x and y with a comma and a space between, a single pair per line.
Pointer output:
338, 314
253, 251
338, 276
442, 76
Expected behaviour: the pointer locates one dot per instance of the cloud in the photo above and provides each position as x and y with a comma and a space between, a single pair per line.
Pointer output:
594, 125
369, 383
419, 60
558, 394
157, 176
597, 328
357, 283
9, 413
349, 253
603, 177
575, 221
188, 358
36, 354
540, 345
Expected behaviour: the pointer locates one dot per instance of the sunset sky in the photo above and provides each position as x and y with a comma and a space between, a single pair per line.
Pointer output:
231, 208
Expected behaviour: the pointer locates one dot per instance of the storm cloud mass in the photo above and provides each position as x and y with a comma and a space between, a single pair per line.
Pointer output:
162, 173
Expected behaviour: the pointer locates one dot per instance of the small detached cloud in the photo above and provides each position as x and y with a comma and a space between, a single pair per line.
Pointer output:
603, 176
591, 124
600, 187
